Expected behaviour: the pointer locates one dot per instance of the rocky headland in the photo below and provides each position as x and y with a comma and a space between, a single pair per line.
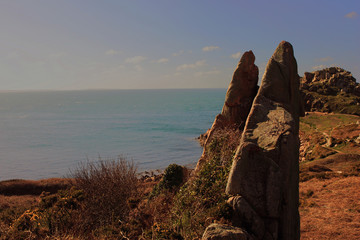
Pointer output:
268, 171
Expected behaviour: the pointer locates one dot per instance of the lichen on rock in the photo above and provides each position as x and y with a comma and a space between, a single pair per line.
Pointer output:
265, 169
264, 178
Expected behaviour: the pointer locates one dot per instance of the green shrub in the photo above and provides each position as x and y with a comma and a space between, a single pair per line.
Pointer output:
172, 179
173, 176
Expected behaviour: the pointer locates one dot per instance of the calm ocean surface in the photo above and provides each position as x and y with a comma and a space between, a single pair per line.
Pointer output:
44, 134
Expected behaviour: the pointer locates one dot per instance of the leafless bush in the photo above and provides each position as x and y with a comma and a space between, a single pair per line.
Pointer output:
107, 186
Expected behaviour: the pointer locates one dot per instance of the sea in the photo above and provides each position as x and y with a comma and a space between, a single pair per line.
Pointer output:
45, 134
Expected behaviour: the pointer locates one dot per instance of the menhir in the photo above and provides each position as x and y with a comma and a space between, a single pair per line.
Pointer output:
239, 97
264, 178
241, 92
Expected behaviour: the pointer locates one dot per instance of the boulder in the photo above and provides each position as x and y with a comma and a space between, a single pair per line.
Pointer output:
225, 232
244, 215
265, 170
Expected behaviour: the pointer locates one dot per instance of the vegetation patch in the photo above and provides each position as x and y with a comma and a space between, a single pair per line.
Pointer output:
173, 177
345, 103
322, 135
319, 152
174, 211
202, 200
95, 207
107, 186
349, 131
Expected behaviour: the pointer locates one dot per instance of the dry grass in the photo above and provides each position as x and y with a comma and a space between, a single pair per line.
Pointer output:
16, 196
321, 134
326, 122
32, 187
94, 209
11, 207
25, 193
15, 201
320, 152
346, 131
107, 187
340, 165
330, 208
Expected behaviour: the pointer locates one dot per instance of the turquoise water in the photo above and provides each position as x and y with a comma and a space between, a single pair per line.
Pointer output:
44, 134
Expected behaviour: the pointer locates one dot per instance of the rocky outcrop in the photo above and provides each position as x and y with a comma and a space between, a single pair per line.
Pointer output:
244, 215
238, 101
265, 170
225, 232
330, 81
331, 90
241, 91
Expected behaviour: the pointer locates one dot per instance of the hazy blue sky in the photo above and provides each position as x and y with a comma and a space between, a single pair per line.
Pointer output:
116, 44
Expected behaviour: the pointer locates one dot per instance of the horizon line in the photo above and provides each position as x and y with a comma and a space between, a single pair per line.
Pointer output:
99, 89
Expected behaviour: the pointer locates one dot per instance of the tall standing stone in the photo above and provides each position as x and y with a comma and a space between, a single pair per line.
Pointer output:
265, 170
242, 91
238, 101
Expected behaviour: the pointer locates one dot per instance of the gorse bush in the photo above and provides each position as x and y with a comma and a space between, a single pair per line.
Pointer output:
95, 207
107, 186
55, 214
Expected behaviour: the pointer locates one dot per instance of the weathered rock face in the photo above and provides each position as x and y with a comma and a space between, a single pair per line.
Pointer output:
265, 171
331, 90
334, 78
244, 215
238, 101
225, 232
241, 91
